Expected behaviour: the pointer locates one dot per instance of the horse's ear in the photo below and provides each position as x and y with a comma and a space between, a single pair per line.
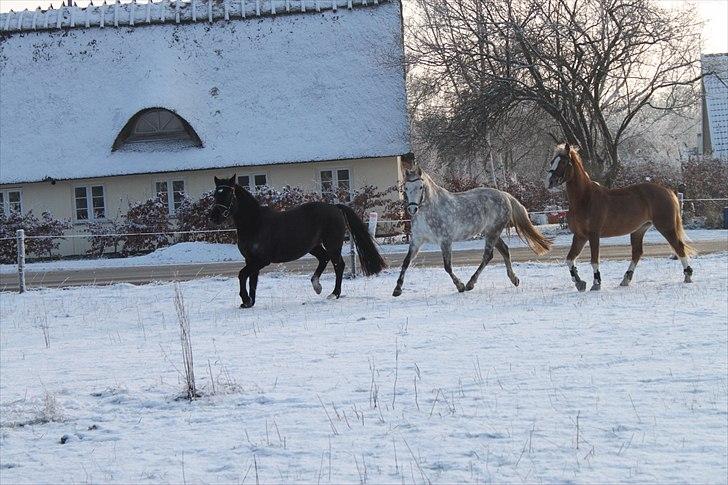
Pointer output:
217, 181
567, 147
232, 179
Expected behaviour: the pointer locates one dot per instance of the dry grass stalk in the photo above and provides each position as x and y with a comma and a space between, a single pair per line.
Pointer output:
186, 342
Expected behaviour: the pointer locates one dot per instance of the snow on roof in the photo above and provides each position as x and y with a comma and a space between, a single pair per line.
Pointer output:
715, 85
324, 82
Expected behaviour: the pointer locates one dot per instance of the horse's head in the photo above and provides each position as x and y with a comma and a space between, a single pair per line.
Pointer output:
560, 167
414, 189
225, 199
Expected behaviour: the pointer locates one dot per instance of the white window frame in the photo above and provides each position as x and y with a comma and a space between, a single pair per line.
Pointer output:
252, 187
171, 210
6, 200
89, 203
335, 180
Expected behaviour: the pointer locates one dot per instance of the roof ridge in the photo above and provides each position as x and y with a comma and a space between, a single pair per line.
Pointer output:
163, 12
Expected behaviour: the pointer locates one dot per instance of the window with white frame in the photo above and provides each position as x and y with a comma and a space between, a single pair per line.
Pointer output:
172, 199
336, 184
90, 203
253, 182
10, 201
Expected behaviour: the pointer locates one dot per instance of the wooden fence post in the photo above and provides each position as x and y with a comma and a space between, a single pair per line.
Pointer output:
680, 199
352, 256
373, 218
20, 235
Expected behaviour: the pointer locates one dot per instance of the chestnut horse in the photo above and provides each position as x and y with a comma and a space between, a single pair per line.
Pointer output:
596, 212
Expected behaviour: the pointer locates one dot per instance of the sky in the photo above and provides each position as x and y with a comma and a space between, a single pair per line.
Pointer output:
713, 12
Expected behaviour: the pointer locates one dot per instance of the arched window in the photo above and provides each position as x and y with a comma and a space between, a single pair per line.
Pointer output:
156, 129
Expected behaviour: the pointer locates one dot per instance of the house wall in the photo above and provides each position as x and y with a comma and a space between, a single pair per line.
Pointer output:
120, 191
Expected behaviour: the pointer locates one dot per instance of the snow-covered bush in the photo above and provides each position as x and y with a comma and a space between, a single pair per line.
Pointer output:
531, 193
705, 179
102, 237
148, 219
369, 197
285, 198
195, 216
460, 183
639, 173
47, 225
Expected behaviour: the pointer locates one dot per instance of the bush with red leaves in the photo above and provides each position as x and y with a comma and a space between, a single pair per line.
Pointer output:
195, 216
47, 225
148, 219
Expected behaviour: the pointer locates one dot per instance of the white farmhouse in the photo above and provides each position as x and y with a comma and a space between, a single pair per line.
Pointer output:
112, 104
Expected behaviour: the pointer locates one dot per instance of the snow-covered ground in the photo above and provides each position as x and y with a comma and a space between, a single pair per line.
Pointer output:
501, 384
197, 252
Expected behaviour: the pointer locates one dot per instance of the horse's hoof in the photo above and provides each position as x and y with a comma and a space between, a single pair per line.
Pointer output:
688, 279
316, 286
581, 285
516, 281
397, 292
461, 288
247, 304
596, 287
332, 296
469, 286
625, 282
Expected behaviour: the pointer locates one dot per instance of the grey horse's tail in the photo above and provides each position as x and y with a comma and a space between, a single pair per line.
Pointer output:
538, 243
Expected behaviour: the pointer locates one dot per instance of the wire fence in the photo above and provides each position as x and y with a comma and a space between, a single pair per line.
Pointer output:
554, 211
559, 211
387, 230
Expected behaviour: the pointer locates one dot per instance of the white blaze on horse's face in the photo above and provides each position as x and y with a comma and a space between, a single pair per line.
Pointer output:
414, 191
551, 177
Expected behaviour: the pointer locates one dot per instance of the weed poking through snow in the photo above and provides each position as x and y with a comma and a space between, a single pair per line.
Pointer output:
186, 341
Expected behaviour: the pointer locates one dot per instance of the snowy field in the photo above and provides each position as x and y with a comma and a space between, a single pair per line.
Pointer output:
200, 252
531, 384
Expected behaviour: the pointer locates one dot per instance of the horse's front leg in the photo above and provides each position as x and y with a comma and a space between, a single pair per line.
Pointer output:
446, 248
594, 247
577, 245
487, 256
414, 248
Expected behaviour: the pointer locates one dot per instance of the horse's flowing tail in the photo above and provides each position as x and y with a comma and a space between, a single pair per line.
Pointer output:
538, 243
680, 231
371, 261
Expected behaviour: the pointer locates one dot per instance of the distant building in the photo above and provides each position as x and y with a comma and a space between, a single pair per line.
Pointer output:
715, 105
112, 104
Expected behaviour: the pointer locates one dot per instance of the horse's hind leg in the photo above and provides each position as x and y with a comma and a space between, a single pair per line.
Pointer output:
487, 256
502, 248
636, 241
594, 247
446, 248
253, 281
339, 265
679, 247
323, 260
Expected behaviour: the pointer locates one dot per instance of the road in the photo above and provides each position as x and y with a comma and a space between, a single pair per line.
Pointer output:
147, 274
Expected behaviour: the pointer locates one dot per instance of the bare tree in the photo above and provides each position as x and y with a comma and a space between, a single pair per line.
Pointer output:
591, 66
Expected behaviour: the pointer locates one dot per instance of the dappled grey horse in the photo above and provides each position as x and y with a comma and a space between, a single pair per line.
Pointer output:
442, 217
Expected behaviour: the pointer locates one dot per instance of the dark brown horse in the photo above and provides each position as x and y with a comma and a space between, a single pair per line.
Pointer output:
596, 212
